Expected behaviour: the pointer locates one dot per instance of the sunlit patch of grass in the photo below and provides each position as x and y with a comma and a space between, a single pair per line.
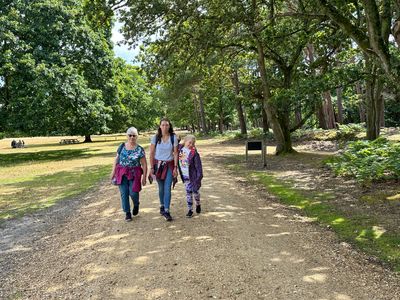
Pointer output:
379, 196
395, 197
44, 191
360, 230
46, 172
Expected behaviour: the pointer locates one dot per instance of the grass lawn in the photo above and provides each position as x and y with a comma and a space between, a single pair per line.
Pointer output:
46, 172
370, 226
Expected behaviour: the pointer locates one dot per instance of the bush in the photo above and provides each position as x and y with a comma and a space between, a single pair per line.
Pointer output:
258, 133
368, 161
349, 132
2, 135
344, 133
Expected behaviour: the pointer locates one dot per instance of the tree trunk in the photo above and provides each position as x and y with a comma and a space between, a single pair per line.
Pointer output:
339, 103
326, 116
88, 139
297, 115
202, 114
396, 32
378, 28
283, 144
239, 107
374, 102
197, 112
322, 119
221, 124
284, 122
328, 111
319, 107
361, 105
265, 125
320, 115
6, 103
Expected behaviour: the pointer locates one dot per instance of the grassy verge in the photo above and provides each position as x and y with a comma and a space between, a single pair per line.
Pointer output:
45, 172
359, 230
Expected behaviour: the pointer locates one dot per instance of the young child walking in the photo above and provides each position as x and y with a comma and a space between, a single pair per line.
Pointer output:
191, 172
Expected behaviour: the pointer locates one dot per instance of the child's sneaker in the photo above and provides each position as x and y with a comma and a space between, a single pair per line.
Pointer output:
198, 209
128, 217
167, 216
162, 211
189, 213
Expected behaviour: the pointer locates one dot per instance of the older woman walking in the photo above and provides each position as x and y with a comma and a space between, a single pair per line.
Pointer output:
164, 163
129, 172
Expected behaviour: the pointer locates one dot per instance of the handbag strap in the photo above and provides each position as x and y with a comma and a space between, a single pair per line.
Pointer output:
120, 147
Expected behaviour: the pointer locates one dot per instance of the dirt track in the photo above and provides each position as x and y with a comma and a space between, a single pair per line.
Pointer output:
242, 246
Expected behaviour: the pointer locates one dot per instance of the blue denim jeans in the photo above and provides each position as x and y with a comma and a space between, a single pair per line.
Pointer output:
125, 188
164, 190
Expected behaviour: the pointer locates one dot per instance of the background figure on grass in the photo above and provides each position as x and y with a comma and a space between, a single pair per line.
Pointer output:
191, 172
129, 172
164, 163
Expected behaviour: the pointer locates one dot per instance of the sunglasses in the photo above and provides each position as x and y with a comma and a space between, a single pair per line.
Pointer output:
131, 135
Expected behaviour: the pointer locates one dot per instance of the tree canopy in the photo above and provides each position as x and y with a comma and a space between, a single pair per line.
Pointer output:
209, 65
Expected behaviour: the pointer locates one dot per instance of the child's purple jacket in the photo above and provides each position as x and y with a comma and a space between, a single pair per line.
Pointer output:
195, 168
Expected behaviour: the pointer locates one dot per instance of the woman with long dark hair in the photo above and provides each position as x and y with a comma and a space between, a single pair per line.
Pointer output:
164, 163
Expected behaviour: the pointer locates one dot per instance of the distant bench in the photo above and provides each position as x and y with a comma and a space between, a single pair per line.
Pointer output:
69, 141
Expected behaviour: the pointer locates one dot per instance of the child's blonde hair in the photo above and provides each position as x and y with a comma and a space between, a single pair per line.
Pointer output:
189, 137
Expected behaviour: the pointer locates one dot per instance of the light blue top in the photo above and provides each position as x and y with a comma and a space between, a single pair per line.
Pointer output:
164, 150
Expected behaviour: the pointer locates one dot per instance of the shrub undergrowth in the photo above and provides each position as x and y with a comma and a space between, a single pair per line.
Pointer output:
368, 161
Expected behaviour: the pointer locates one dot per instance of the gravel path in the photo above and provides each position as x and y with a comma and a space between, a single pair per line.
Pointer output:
242, 246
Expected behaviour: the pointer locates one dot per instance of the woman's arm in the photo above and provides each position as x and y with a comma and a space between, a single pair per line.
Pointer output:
114, 166
175, 172
143, 162
152, 153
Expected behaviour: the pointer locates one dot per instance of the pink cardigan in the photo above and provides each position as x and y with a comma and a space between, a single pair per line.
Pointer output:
131, 173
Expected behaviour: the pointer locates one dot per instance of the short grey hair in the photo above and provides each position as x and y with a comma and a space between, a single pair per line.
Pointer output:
132, 130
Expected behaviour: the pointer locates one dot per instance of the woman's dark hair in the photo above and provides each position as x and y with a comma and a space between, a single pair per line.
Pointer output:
159, 133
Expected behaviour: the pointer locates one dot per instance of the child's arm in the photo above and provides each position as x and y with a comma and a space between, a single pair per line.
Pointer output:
199, 167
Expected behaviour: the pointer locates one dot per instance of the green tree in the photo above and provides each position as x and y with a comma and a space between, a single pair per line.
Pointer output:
369, 23
261, 28
56, 51
136, 104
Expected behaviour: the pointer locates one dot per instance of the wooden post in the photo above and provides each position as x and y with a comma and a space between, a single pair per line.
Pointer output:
247, 150
264, 153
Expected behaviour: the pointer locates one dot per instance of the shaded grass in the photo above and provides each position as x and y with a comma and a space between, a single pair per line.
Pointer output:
11, 159
360, 230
